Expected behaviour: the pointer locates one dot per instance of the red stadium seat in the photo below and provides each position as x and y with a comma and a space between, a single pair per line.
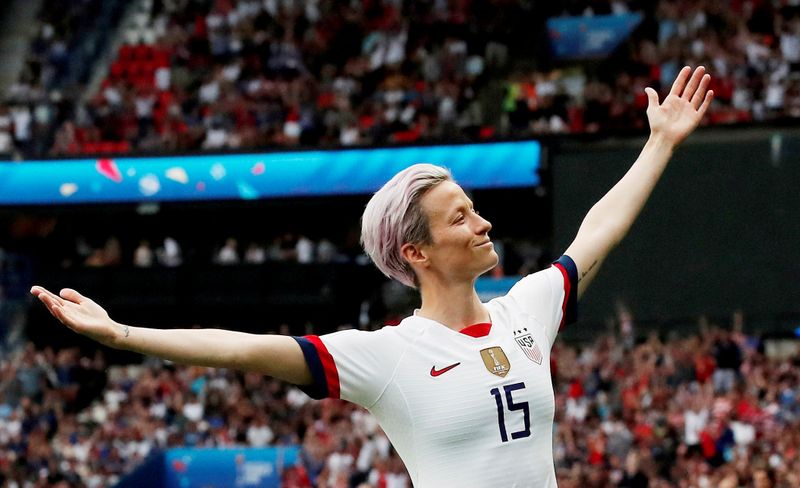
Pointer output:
89, 148
575, 115
366, 121
148, 67
165, 98
406, 135
640, 101
106, 147
128, 68
161, 58
141, 51
80, 134
486, 132
116, 70
325, 100
125, 52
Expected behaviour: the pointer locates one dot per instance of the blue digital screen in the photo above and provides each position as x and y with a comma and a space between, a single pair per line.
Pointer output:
261, 175
232, 467
590, 37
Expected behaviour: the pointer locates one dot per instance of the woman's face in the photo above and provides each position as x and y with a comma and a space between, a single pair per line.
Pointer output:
461, 247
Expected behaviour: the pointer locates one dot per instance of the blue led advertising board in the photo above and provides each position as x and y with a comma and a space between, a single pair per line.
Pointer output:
260, 175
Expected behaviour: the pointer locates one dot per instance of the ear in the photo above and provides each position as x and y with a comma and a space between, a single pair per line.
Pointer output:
414, 254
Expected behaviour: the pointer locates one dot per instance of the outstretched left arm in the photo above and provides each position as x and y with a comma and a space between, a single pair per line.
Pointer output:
610, 218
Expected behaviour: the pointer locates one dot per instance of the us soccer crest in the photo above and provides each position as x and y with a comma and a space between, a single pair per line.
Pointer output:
495, 361
528, 345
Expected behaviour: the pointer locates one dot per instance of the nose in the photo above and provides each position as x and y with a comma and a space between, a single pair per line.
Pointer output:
483, 226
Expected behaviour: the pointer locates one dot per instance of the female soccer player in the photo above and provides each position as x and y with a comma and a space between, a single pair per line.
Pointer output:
462, 388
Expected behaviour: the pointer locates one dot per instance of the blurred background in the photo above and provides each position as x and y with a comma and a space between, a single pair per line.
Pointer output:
205, 163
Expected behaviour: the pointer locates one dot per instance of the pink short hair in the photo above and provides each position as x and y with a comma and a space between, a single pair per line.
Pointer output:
394, 217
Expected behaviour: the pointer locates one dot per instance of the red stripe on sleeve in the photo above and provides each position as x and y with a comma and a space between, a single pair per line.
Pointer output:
328, 365
567, 286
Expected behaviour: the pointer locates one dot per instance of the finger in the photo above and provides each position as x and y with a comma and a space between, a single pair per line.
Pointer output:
37, 290
652, 97
700, 95
72, 295
694, 82
680, 81
61, 315
706, 103
48, 293
56, 310
50, 304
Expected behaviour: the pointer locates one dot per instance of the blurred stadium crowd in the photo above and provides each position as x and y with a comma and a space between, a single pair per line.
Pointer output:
57, 243
708, 410
518, 257
221, 74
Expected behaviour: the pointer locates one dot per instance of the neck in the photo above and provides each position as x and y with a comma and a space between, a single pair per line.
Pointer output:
454, 305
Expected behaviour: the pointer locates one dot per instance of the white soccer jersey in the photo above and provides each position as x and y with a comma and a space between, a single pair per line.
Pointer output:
463, 409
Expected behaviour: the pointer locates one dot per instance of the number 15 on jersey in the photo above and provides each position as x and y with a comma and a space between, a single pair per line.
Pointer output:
511, 406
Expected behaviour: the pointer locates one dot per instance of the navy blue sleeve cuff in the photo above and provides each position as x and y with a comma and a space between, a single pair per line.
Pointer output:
319, 388
570, 272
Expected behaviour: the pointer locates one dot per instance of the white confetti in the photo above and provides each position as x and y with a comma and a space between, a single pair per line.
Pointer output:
149, 185
218, 171
68, 189
178, 174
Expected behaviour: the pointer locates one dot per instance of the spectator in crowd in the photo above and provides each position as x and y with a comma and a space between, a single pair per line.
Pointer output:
6, 139
259, 433
695, 419
727, 357
169, 254
228, 253
304, 250
255, 254
110, 254
326, 251
143, 255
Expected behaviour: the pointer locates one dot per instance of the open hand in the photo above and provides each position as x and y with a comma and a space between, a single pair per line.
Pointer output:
80, 314
678, 115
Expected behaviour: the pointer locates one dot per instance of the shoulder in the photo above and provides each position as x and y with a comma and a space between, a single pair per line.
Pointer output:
534, 287
407, 332
549, 295
390, 336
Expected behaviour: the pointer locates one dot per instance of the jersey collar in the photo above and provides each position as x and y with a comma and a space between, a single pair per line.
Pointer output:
477, 330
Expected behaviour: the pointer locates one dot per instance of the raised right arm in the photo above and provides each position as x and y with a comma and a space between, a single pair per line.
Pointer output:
273, 355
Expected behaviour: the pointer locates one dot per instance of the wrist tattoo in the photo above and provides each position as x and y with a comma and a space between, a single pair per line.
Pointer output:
126, 330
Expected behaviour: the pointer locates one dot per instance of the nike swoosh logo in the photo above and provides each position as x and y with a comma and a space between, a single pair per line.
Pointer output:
436, 372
